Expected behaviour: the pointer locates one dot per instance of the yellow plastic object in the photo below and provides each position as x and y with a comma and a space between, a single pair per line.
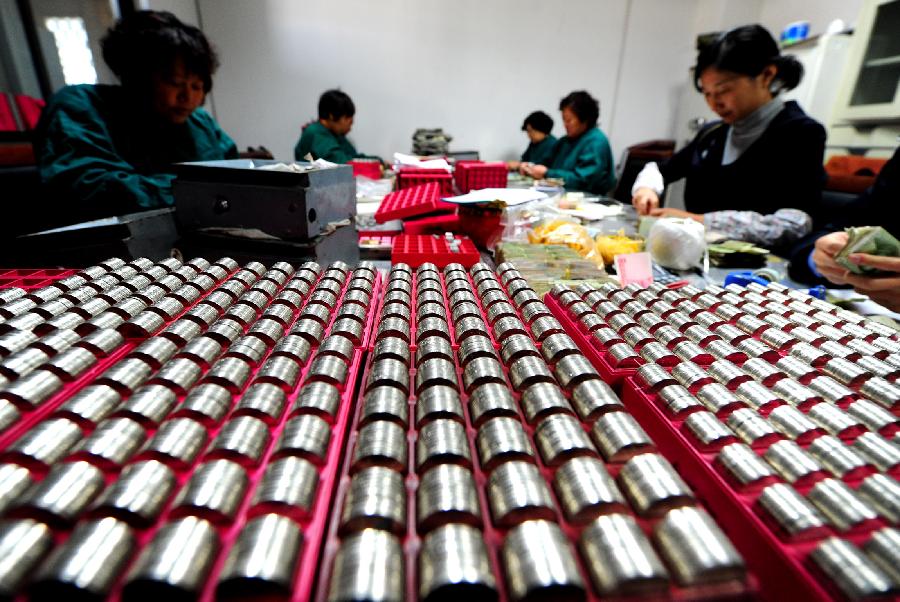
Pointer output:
562, 232
610, 245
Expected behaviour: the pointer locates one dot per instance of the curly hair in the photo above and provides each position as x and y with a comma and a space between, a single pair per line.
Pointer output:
149, 42
585, 107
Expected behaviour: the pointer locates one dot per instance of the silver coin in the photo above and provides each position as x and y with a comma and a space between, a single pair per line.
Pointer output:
288, 482
743, 464
515, 347
178, 440
140, 493
263, 557
368, 566
539, 562
517, 492
838, 458
376, 498
90, 561
791, 461
177, 560
697, 550
708, 430
318, 397
542, 399
884, 549
853, 572
65, 492
501, 440
442, 441
482, 371
454, 561
47, 442
438, 402
750, 426
306, 436
884, 454
560, 437
243, 438
23, 545
653, 486
489, 401
619, 437
380, 443
229, 372
585, 489
833, 419
620, 559
843, 508
527, 371
883, 494
790, 510
447, 493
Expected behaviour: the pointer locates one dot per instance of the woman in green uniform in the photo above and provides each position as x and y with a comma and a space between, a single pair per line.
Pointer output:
327, 137
537, 127
583, 159
111, 149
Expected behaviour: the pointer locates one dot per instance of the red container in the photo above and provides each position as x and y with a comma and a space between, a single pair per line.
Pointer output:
368, 169
32, 279
436, 224
414, 250
475, 175
408, 202
408, 177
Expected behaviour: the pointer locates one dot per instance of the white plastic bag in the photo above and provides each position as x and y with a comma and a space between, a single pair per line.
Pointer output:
677, 243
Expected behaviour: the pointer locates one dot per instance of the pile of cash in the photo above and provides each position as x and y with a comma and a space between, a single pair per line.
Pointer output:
872, 240
545, 265
430, 141
737, 254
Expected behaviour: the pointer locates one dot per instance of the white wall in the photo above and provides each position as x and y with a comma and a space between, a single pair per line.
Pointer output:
474, 68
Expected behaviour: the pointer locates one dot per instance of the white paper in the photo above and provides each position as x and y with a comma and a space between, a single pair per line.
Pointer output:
508, 196
403, 159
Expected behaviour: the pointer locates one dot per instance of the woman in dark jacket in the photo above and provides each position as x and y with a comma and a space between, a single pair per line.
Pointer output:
757, 174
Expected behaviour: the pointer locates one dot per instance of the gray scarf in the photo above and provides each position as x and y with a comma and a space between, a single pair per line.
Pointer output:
746, 131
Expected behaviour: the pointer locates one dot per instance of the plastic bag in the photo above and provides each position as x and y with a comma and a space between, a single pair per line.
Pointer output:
677, 243
564, 232
610, 245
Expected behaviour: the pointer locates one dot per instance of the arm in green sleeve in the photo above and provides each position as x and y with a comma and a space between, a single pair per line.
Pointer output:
330, 149
588, 164
78, 158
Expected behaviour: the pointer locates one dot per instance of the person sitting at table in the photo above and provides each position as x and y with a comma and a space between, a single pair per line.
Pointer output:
112, 148
583, 158
537, 127
327, 137
812, 259
757, 174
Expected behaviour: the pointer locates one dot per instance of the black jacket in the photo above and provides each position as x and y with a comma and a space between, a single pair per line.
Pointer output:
879, 205
782, 169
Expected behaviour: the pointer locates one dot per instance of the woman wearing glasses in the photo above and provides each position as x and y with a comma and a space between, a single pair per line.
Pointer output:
757, 174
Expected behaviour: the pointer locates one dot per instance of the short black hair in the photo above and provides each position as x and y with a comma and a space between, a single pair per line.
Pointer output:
585, 107
334, 104
748, 50
539, 121
148, 42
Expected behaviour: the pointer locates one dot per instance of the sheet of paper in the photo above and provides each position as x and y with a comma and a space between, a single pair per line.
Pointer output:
509, 196
403, 159
634, 268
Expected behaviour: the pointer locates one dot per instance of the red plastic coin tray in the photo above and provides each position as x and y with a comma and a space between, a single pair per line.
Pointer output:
435, 224
414, 250
412, 201
493, 534
475, 175
367, 168
313, 525
782, 564
409, 177
32, 279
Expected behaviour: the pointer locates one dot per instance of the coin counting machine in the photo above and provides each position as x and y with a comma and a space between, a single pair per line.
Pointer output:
328, 432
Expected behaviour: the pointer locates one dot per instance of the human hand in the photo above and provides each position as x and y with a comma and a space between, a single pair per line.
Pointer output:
645, 200
669, 212
536, 171
512, 165
826, 248
881, 289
